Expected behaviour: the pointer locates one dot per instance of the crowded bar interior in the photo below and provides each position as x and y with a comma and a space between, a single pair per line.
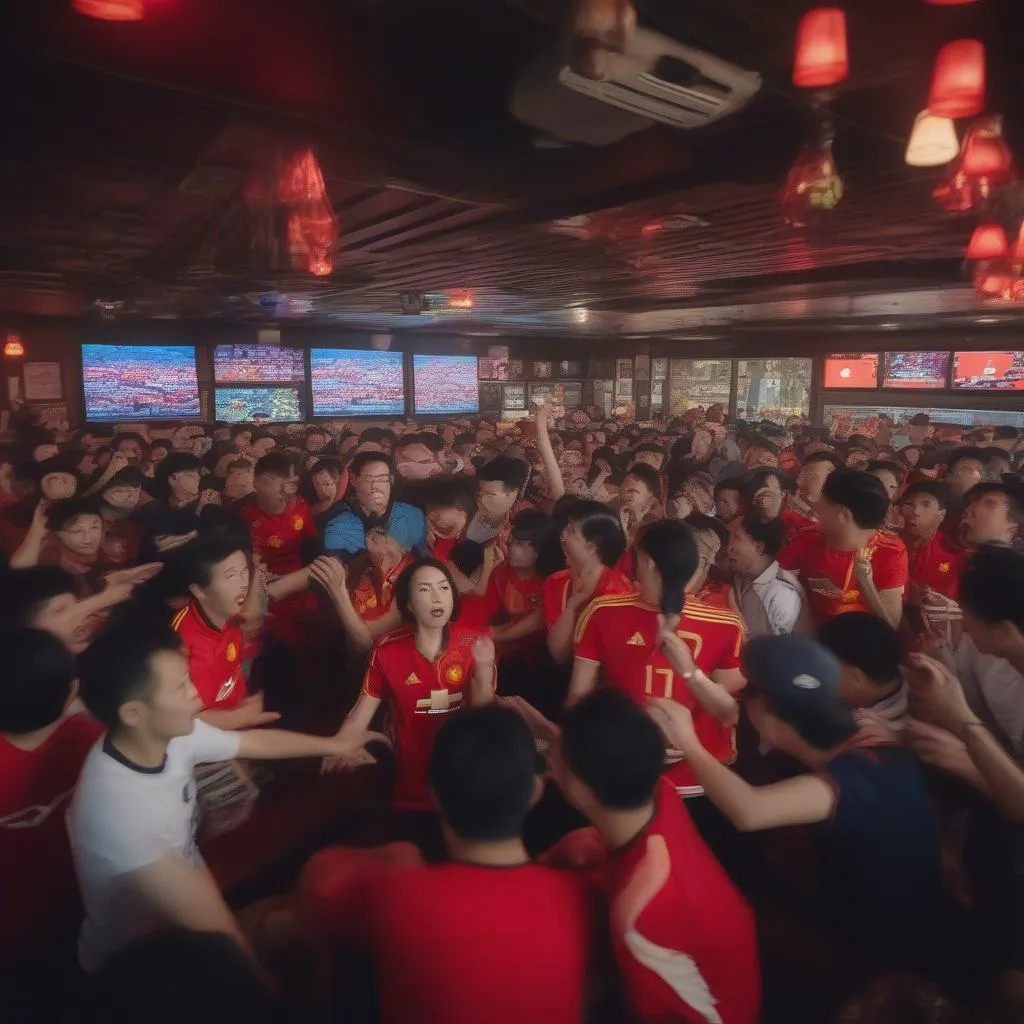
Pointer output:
512, 510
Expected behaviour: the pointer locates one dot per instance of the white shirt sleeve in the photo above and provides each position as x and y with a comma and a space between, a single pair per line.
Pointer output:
782, 605
206, 744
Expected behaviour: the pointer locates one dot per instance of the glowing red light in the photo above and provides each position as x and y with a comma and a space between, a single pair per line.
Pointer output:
958, 82
821, 56
988, 243
13, 347
111, 10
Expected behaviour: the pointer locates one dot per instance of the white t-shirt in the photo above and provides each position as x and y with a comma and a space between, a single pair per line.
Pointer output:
124, 818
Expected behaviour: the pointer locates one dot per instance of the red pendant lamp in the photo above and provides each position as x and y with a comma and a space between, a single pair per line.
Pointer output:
821, 56
958, 82
985, 154
988, 243
110, 10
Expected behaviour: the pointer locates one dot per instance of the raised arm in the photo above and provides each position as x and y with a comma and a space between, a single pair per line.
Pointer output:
556, 485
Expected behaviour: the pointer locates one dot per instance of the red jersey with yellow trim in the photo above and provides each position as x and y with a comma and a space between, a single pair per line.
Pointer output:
278, 539
422, 695
372, 600
215, 658
815, 560
621, 633
509, 599
938, 565
684, 938
558, 588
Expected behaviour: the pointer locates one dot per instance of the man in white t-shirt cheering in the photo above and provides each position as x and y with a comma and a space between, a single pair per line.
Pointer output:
133, 819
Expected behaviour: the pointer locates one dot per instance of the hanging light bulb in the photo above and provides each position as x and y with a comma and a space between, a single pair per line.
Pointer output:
813, 187
821, 56
958, 82
110, 10
988, 243
933, 141
986, 155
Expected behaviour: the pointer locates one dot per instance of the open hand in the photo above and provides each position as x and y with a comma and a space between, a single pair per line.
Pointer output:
350, 751
675, 722
252, 715
330, 574
483, 651
168, 541
940, 748
543, 730
937, 693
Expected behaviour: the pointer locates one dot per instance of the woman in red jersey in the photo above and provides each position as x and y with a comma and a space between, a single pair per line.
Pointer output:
593, 542
427, 670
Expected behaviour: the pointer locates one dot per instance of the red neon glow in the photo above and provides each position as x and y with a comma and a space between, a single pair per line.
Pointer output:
312, 227
852, 371
13, 347
958, 82
986, 157
821, 56
110, 10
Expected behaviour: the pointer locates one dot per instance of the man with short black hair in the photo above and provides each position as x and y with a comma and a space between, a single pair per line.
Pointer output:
935, 563
371, 477
684, 938
849, 563
529, 961
966, 468
771, 599
134, 816
870, 654
994, 514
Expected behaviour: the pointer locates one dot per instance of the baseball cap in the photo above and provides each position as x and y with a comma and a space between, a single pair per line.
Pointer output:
799, 680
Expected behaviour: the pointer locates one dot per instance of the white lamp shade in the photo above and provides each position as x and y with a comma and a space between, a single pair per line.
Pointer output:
933, 141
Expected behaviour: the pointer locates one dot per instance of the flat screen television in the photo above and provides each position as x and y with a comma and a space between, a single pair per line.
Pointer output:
915, 370
991, 371
140, 382
242, 405
242, 364
445, 385
356, 382
851, 370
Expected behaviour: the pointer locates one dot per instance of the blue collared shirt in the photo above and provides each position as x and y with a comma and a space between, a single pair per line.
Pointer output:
346, 533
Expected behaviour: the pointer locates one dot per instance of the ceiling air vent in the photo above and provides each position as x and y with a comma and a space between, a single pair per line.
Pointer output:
661, 79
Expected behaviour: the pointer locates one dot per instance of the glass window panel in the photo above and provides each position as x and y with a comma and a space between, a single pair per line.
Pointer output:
773, 389
698, 382
960, 417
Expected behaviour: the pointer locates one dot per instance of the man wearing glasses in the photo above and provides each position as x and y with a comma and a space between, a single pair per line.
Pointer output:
370, 504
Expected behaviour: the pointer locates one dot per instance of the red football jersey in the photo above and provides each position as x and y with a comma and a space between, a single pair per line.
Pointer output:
371, 599
278, 539
422, 695
38, 878
215, 657
814, 560
461, 944
621, 633
558, 587
685, 939
938, 565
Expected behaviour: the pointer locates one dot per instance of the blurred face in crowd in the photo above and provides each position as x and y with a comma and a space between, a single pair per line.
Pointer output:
384, 551
922, 515
578, 550
42, 452
812, 479
315, 441
522, 555
82, 536
918, 434
223, 597
243, 440
325, 486
703, 445
635, 495
61, 616
858, 458
373, 487
495, 501
430, 597
416, 462
744, 555
184, 486
987, 520
274, 491
262, 447
728, 504
652, 459
123, 497
348, 445
757, 456
964, 474
59, 485
239, 480
447, 520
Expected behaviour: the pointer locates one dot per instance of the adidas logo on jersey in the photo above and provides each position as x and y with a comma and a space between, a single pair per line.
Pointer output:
413, 680
636, 640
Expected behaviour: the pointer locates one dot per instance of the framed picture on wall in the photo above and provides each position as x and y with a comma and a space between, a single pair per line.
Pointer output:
642, 366
515, 396
659, 368
42, 382
490, 395
624, 369
516, 370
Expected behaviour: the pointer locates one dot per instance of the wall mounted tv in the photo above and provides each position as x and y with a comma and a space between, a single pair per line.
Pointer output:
356, 382
989, 371
445, 385
244, 364
140, 382
915, 370
851, 370
243, 405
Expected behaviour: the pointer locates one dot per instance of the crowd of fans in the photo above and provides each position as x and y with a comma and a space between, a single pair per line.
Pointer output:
694, 721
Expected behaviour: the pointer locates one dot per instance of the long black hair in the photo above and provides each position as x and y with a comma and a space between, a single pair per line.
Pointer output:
403, 587
670, 545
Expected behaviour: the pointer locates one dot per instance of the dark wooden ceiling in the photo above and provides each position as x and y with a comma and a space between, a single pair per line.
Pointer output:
113, 134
